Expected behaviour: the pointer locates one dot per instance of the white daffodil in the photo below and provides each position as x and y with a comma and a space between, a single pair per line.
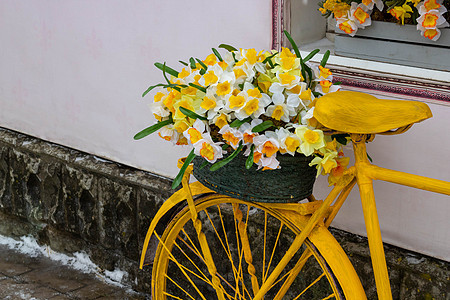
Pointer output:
211, 76
267, 143
209, 150
360, 15
306, 115
231, 135
322, 73
325, 86
312, 139
169, 133
159, 110
246, 130
285, 81
347, 25
369, 4
255, 103
195, 133
289, 142
282, 108
269, 163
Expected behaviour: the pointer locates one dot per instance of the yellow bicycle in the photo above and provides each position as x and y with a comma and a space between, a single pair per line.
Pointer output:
219, 247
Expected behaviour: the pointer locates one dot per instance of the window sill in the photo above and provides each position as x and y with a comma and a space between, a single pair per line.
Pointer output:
384, 79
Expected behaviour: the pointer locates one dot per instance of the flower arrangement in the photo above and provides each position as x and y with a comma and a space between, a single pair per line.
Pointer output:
244, 102
427, 15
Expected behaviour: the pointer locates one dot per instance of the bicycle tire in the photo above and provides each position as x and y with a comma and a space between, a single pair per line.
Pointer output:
180, 270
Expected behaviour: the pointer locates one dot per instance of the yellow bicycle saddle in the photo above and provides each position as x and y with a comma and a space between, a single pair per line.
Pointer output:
355, 112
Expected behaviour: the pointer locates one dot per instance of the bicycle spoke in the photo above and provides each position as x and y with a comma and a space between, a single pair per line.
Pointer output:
180, 267
192, 262
192, 243
180, 287
170, 295
313, 283
273, 252
293, 273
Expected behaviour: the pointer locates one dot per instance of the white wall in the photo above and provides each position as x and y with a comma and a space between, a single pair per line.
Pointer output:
409, 218
72, 72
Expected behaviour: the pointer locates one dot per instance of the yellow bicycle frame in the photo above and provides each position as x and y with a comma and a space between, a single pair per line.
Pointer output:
365, 174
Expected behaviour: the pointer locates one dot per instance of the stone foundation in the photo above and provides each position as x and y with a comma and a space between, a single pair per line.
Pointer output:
74, 201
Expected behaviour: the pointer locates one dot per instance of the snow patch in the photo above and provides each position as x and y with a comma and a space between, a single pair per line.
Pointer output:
79, 261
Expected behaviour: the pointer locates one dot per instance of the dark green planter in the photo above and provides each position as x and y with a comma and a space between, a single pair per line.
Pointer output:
292, 183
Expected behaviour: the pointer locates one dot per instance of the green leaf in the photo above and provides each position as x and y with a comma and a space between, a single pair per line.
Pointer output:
193, 64
202, 64
225, 147
268, 58
164, 73
249, 161
224, 161
151, 88
227, 47
337, 83
200, 88
191, 114
325, 58
217, 54
263, 126
311, 55
294, 46
204, 164
341, 138
317, 94
151, 129
184, 63
168, 69
238, 123
308, 74
176, 182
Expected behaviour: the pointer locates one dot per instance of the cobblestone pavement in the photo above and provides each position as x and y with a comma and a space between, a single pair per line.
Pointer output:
36, 278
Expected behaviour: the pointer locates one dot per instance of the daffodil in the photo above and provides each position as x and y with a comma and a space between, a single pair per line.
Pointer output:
286, 60
337, 172
168, 133
231, 136
208, 149
369, 4
283, 109
401, 12
247, 134
431, 19
195, 133
347, 25
325, 164
289, 142
359, 15
312, 139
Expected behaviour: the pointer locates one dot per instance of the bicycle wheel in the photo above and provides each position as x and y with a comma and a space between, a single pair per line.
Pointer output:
244, 243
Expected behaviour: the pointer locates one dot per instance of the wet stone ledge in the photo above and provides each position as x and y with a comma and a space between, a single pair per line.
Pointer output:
73, 201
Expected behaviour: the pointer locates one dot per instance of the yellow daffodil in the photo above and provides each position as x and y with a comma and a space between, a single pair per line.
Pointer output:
401, 12
312, 139
326, 163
